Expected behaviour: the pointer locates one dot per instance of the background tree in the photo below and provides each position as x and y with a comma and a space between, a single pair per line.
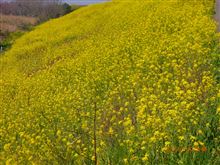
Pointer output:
42, 9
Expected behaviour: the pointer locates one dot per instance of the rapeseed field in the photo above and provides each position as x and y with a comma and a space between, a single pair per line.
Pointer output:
123, 82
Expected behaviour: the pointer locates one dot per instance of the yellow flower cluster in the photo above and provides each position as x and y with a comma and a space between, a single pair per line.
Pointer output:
114, 83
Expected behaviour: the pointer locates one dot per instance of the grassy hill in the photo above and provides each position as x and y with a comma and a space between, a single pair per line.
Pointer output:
115, 83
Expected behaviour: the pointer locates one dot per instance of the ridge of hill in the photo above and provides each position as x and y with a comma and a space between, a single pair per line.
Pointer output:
114, 83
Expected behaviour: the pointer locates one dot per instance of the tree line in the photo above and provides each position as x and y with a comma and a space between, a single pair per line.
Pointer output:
42, 9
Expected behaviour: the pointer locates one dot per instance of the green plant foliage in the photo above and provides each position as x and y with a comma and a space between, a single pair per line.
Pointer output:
9, 40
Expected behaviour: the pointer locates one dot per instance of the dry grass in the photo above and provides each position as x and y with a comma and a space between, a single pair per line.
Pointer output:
10, 23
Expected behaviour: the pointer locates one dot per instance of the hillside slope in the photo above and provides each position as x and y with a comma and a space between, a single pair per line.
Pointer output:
114, 83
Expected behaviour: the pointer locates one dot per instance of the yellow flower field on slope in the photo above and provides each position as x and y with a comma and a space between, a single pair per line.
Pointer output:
124, 82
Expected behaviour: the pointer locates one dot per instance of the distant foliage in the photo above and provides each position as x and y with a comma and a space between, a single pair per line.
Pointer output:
115, 83
42, 9
11, 23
